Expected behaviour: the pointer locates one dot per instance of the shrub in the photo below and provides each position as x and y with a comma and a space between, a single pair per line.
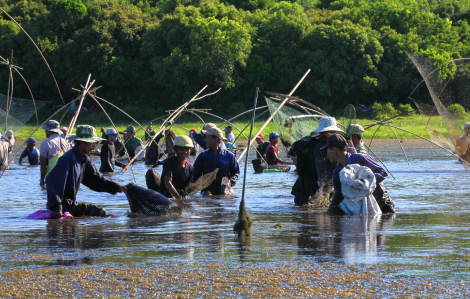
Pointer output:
381, 111
402, 108
457, 110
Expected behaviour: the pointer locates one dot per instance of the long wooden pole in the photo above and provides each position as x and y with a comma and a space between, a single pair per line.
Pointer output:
272, 115
169, 119
74, 118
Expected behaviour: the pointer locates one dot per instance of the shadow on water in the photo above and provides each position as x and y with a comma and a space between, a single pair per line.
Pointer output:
427, 237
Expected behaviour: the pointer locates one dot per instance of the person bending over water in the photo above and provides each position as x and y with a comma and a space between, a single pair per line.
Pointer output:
75, 168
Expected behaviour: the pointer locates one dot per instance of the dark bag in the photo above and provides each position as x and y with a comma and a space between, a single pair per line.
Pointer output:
148, 202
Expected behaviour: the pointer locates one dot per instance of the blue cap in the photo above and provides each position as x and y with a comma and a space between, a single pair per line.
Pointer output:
273, 134
31, 140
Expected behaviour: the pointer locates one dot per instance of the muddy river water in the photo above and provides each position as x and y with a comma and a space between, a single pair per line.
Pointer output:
427, 238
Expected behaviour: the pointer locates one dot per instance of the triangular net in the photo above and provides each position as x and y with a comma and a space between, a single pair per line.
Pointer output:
447, 84
203, 182
149, 202
349, 118
15, 112
293, 121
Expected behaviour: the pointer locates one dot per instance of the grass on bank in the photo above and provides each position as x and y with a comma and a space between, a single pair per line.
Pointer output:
182, 125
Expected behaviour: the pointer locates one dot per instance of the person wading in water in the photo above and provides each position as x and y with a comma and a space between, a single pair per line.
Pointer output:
75, 168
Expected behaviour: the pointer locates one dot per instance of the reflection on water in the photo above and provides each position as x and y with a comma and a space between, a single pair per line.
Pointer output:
427, 237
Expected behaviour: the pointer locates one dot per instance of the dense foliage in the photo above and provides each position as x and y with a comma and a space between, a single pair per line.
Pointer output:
156, 54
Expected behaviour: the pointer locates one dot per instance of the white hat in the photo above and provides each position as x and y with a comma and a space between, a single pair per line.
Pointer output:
327, 124
111, 131
8, 134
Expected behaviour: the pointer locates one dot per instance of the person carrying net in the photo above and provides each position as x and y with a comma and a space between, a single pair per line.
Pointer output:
75, 168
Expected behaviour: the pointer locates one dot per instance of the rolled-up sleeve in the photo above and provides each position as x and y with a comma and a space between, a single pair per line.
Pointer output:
379, 173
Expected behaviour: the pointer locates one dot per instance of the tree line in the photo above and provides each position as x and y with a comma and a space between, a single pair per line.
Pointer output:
153, 55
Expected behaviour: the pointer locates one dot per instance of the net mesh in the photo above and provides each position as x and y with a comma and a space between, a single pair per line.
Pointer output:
15, 112
293, 122
148, 202
446, 84
202, 183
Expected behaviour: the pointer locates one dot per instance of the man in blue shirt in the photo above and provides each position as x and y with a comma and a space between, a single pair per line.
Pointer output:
31, 152
337, 151
229, 134
75, 168
216, 157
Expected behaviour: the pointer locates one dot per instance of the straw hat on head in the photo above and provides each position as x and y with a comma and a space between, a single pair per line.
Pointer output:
85, 133
326, 124
52, 126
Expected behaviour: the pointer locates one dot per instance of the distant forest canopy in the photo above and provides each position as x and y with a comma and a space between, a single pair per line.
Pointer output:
153, 55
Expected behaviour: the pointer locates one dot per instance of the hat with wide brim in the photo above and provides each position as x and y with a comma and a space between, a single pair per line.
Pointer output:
326, 124
215, 132
85, 133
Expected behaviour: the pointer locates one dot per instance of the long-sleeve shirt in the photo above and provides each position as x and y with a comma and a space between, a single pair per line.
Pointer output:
131, 146
33, 156
363, 160
73, 169
225, 161
108, 158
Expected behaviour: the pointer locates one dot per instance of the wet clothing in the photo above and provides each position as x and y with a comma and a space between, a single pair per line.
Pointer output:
180, 177
361, 148
261, 150
131, 146
225, 161
4, 145
307, 182
201, 140
322, 162
108, 158
271, 154
384, 200
63, 183
33, 156
52, 146
151, 152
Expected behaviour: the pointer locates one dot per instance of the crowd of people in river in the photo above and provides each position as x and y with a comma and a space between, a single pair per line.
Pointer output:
64, 166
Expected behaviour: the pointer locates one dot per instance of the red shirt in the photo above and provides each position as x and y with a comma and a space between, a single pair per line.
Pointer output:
271, 153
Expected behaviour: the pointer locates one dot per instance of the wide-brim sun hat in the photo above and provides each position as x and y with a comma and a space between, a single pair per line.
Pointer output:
208, 126
53, 126
326, 124
183, 141
85, 133
129, 129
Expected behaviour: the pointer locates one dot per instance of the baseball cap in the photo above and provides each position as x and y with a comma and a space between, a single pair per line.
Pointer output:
356, 129
260, 136
111, 131
335, 140
31, 140
214, 131
273, 134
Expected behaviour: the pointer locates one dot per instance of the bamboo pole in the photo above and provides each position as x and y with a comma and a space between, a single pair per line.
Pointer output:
74, 118
170, 118
244, 221
272, 115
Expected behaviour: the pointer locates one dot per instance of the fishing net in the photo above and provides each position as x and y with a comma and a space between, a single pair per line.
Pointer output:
15, 112
202, 182
349, 118
446, 84
294, 121
148, 202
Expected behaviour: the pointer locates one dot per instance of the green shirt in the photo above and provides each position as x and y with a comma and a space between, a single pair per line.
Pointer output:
131, 146
262, 150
